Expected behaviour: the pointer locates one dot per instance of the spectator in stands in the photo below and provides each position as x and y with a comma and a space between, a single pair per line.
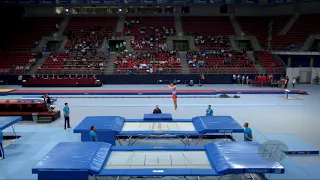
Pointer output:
20, 80
209, 111
66, 113
1, 146
93, 135
117, 47
247, 132
157, 110
57, 27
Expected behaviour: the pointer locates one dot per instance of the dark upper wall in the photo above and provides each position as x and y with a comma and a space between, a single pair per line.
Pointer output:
10, 18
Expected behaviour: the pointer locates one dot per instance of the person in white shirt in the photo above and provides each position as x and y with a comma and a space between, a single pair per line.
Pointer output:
243, 79
294, 82
238, 78
57, 27
234, 77
247, 80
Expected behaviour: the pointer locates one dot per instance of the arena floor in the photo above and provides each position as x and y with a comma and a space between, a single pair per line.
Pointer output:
267, 114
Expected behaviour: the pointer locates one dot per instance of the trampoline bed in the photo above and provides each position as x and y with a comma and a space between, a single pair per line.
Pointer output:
103, 159
112, 128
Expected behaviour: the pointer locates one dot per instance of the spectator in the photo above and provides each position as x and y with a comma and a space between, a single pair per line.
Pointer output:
57, 27
157, 110
209, 111
93, 135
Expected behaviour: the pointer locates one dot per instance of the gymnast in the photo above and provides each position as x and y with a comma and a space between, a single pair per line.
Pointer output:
173, 87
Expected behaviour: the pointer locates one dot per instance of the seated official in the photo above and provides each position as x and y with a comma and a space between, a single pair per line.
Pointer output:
209, 111
157, 110
190, 83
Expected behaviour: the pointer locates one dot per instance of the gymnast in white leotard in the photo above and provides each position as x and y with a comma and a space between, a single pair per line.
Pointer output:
173, 87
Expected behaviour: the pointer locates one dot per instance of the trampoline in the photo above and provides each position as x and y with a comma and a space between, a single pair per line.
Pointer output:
115, 128
77, 160
7, 121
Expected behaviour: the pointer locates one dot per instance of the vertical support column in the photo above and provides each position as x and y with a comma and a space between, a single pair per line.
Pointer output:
289, 61
311, 61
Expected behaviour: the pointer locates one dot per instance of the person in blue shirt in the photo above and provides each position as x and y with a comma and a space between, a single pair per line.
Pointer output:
93, 135
209, 111
66, 113
247, 132
1, 147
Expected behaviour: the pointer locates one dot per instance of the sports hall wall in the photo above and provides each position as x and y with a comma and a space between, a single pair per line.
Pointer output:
214, 10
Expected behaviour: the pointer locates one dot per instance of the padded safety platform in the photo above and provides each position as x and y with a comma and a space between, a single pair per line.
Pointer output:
102, 123
216, 124
88, 156
165, 116
7, 121
100, 159
240, 157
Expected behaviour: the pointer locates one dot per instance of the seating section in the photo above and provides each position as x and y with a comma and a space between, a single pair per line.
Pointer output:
269, 63
300, 31
87, 33
31, 31
74, 63
259, 26
209, 32
220, 61
17, 62
148, 62
149, 32
256, 26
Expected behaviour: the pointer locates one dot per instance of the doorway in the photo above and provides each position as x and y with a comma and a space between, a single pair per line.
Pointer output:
53, 46
244, 45
305, 76
181, 45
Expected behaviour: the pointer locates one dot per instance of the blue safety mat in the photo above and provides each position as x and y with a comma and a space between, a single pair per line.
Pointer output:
166, 116
295, 145
102, 123
240, 157
6, 121
216, 124
88, 156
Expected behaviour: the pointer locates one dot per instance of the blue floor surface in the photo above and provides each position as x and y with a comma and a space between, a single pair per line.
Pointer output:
263, 112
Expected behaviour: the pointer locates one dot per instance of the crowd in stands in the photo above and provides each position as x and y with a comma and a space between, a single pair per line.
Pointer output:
148, 61
67, 62
17, 63
147, 37
210, 42
218, 58
84, 41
